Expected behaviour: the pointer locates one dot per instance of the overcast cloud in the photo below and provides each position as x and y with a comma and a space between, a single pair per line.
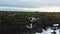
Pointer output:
39, 5
29, 3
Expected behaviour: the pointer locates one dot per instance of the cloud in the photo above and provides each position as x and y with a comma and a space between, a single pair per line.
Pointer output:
29, 3
44, 9
40, 9
50, 9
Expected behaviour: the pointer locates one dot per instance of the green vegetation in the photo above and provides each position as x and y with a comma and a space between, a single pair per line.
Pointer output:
11, 22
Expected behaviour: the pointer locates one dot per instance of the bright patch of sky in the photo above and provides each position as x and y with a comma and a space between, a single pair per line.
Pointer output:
49, 31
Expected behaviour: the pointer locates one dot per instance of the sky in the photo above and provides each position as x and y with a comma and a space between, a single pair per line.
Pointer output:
49, 31
30, 4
